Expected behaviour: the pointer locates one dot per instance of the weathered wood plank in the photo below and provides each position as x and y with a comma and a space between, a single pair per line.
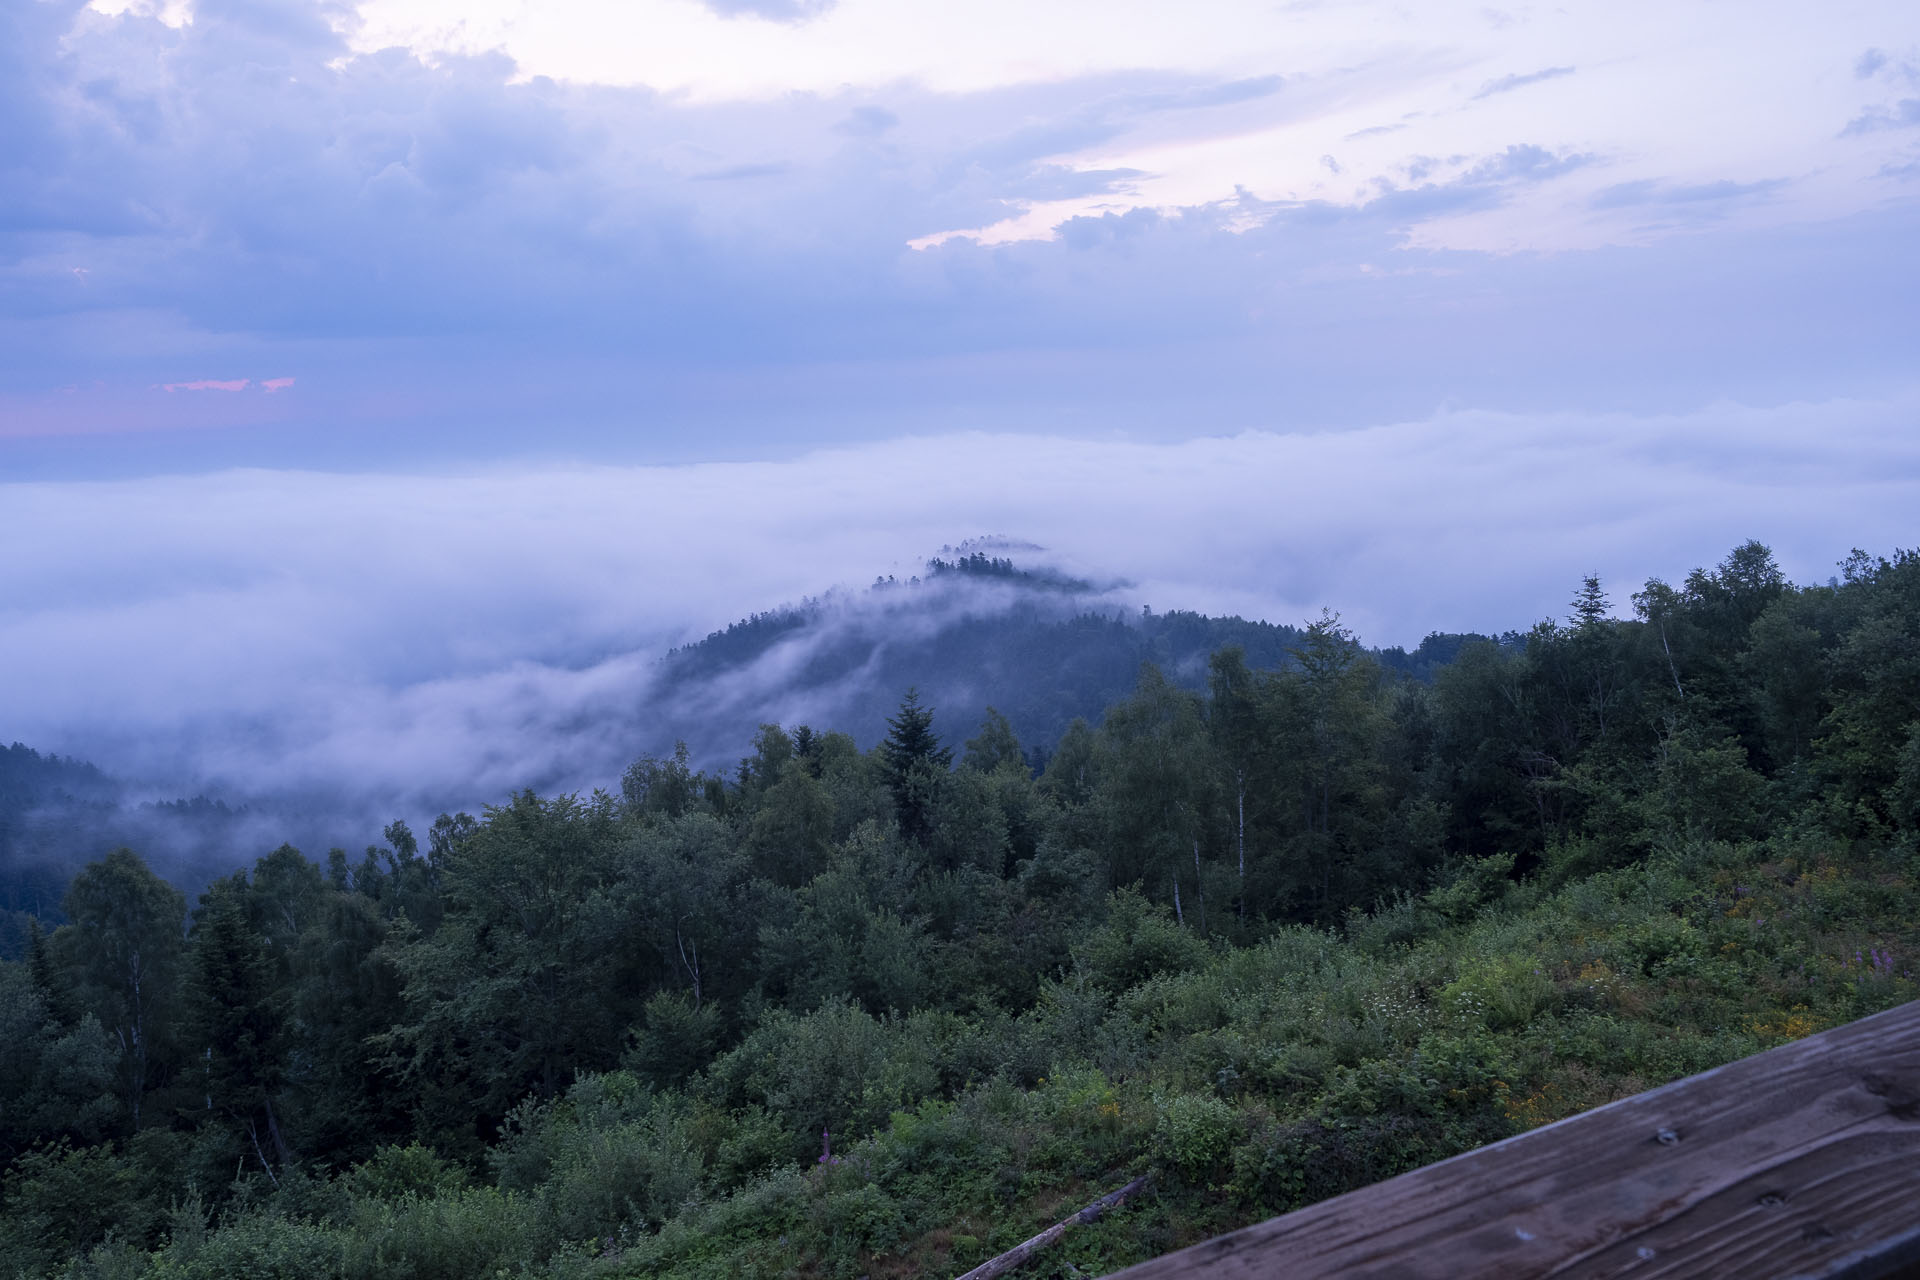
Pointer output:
1801, 1161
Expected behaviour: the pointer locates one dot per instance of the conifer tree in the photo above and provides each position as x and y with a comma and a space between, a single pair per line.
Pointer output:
1590, 604
914, 760
234, 1014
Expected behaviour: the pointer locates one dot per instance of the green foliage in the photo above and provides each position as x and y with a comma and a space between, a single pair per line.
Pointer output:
395, 1173
674, 1040
258, 1247
1314, 928
474, 1231
1136, 942
122, 952
56, 1080
61, 1199
1194, 1133
915, 765
837, 1068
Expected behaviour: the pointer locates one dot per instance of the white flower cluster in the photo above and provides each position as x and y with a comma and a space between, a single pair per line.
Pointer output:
1400, 1011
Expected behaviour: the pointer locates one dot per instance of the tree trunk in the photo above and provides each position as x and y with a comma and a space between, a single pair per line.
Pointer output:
138, 1040
253, 1132
692, 965
1240, 807
1671, 669
1200, 886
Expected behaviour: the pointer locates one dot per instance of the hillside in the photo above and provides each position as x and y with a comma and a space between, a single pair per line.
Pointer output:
844, 1012
976, 631
973, 631
57, 813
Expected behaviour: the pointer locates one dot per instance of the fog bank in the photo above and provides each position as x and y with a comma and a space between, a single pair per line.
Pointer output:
444, 638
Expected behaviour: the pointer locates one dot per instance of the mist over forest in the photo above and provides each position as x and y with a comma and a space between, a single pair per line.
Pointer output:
972, 629
1279, 917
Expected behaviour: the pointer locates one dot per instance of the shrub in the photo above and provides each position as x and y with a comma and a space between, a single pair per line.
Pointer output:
836, 1068
258, 1246
1195, 1132
412, 1170
674, 1039
475, 1231
1503, 993
61, 1200
1136, 942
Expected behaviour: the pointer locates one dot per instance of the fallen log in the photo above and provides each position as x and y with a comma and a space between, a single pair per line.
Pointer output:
999, 1266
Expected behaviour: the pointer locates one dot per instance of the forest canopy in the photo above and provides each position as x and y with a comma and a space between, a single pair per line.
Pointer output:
868, 1012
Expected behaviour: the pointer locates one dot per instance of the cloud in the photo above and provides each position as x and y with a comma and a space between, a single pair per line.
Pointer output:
271, 385
1868, 64
869, 121
1526, 163
771, 10
437, 639
1626, 195
733, 173
1903, 114
464, 261
1484, 184
1507, 84
1197, 97
209, 384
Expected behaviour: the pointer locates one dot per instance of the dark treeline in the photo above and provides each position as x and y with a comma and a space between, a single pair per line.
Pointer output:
722, 965
56, 813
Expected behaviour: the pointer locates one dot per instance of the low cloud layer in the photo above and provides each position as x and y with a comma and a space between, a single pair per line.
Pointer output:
439, 639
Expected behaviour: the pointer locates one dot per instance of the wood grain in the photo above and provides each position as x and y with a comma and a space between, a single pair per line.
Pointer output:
1801, 1161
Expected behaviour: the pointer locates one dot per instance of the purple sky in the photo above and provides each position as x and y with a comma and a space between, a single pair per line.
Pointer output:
359, 353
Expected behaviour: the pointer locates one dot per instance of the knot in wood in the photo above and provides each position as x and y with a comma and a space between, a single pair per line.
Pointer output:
1666, 1137
1902, 1096
1772, 1200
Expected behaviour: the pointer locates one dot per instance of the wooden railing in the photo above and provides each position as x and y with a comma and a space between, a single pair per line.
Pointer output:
1801, 1161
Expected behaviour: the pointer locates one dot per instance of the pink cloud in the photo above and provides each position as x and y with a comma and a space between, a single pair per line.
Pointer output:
208, 384
272, 385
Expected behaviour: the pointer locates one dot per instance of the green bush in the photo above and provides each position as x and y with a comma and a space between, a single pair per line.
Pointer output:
1137, 941
473, 1231
412, 1170
1194, 1132
260, 1246
837, 1068
609, 1155
61, 1200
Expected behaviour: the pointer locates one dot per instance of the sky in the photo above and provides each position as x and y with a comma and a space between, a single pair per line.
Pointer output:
391, 372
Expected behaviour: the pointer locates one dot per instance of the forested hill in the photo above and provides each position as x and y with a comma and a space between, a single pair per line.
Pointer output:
971, 631
843, 1012
57, 813
1041, 647
46, 803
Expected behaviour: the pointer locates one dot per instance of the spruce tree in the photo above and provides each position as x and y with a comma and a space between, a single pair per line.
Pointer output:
914, 761
235, 1017
1590, 604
